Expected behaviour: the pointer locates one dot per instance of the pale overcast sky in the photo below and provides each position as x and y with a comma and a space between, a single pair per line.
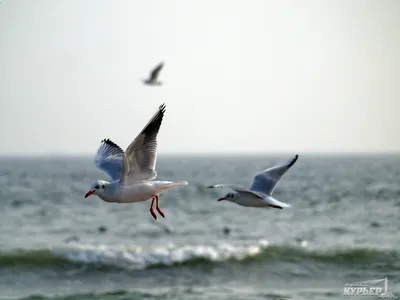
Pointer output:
240, 76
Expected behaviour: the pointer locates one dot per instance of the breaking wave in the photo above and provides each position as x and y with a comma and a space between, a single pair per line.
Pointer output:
137, 258
118, 294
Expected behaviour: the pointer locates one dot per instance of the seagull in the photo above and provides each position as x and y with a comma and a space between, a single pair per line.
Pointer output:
154, 75
260, 192
133, 171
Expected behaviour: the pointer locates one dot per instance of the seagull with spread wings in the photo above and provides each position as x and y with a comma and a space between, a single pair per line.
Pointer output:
133, 171
260, 192
153, 78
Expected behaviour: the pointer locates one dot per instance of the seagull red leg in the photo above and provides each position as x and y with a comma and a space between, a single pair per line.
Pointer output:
152, 209
158, 208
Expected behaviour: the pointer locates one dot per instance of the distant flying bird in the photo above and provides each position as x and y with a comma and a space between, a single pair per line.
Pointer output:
260, 192
154, 75
132, 172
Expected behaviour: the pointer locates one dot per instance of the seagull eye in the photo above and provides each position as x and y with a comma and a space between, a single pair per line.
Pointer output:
96, 187
102, 186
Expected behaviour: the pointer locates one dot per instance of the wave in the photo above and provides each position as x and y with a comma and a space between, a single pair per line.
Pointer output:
117, 294
138, 258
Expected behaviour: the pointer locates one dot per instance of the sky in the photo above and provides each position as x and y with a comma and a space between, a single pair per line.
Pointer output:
250, 76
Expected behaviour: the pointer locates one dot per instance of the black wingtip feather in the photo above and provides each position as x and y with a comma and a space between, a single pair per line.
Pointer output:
155, 123
162, 108
112, 144
276, 206
293, 160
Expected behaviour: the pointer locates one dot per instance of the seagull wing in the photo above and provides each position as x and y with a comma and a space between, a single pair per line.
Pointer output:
266, 181
141, 155
154, 73
109, 158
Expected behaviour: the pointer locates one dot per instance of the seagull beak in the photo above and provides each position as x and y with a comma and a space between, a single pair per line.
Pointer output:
89, 193
220, 199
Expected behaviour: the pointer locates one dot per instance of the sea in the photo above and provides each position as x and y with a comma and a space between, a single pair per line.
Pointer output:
342, 228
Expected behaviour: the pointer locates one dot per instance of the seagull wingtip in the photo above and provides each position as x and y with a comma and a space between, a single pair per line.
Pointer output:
295, 157
292, 161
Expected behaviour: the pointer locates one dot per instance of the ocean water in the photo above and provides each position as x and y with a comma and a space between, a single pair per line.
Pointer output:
343, 227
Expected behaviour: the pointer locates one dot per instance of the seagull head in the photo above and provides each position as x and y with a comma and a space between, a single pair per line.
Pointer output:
229, 197
97, 188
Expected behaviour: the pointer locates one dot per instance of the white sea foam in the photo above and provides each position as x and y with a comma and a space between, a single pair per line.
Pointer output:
136, 257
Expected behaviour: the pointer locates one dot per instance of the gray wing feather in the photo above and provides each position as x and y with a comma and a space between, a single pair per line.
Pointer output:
141, 155
266, 181
156, 71
109, 159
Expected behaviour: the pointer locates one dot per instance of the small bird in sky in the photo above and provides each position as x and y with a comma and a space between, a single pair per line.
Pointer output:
153, 79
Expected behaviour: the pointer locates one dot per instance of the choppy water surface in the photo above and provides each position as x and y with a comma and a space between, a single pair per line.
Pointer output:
343, 227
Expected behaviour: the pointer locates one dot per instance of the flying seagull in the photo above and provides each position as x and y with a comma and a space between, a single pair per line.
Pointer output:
260, 192
133, 171
152, 80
